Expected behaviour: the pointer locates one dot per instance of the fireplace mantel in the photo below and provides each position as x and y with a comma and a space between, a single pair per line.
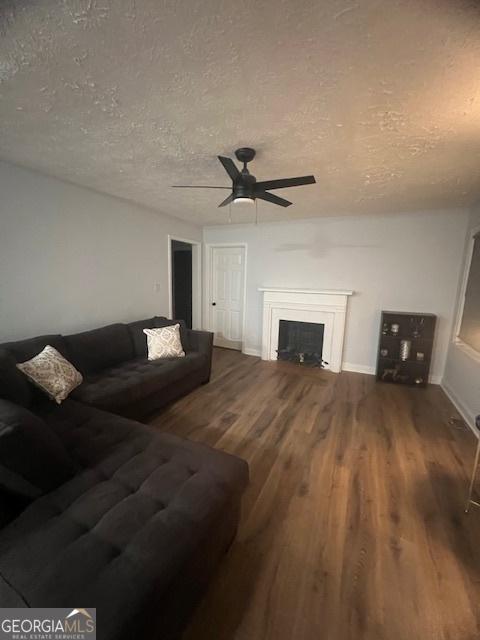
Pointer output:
324, 306
333, 292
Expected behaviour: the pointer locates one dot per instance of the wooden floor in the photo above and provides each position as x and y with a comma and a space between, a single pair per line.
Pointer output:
353, 525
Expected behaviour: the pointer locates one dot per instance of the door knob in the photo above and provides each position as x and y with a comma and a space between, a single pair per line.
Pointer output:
214, 304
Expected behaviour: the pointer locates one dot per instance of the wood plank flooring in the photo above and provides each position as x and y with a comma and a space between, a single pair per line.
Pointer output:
353, 525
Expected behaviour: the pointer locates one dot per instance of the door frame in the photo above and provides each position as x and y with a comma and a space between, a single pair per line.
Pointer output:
208, 271
196, 279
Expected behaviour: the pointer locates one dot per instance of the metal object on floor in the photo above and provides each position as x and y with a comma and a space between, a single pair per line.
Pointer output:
474, 472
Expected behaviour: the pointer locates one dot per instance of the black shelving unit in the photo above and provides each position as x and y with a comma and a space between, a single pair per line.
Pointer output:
411, 365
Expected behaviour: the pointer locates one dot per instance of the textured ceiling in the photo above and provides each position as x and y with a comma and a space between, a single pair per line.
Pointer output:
380, 100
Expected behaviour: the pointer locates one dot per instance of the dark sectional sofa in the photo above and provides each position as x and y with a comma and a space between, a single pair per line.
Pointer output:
117, 374
98, 510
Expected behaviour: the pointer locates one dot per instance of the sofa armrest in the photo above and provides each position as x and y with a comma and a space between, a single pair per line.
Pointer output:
202, 342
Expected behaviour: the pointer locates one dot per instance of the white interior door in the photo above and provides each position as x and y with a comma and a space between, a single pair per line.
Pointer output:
227, 292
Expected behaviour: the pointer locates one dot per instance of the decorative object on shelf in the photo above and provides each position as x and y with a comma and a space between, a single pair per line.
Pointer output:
405, 346
391, 374
394, 374
417, 326
405, 349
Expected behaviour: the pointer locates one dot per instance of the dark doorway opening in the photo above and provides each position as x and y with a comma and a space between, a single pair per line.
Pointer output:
301, 342
182, 281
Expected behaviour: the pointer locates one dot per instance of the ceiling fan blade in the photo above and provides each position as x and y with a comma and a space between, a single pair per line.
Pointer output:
196, 186
285, 182
230, 167
226, 201
271, 197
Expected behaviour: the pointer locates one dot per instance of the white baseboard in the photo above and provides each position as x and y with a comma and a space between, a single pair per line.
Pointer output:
358, 368
363, 368
346, 366
464, 411
251, 352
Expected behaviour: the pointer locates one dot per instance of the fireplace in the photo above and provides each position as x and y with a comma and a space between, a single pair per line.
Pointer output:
301, 342
320, 307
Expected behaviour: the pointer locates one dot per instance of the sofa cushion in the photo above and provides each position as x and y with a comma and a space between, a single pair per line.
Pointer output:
88, 434
164, 342
13, 384
161, 321
23, 350
52, 373
26, 349
92, 351
139, 339
123, 529
32, 458
131, 381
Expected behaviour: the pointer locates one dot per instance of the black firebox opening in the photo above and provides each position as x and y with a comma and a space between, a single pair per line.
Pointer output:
301, 342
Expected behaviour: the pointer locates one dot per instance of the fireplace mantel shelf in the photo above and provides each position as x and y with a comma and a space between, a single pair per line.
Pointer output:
331, 292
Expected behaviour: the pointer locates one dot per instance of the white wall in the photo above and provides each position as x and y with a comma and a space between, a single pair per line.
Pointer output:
407, 262
73, 259
462, 372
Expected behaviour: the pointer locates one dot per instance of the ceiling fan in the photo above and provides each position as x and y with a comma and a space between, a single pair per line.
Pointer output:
245, 187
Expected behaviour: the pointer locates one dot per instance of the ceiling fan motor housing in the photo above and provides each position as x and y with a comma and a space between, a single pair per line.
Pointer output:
244, 185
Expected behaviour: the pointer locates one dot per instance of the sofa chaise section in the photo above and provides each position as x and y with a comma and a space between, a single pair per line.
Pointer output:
136, 533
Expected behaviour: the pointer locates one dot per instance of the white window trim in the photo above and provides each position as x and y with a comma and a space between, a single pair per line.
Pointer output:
457, 341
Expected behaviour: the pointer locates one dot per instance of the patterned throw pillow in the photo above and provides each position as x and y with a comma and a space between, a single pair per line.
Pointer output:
164, 342
53, 374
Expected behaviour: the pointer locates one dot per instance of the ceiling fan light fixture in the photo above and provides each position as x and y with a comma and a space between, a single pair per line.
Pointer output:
243, 199
245, 187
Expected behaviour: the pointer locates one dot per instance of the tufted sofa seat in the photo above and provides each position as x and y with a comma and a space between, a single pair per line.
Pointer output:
90, 436
126, 384
117, 534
